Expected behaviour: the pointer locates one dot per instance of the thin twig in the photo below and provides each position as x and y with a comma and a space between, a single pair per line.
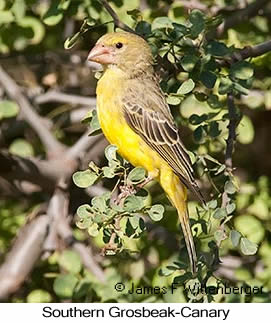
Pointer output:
117, 22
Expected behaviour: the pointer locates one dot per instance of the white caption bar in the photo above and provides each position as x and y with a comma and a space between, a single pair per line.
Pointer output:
136, 312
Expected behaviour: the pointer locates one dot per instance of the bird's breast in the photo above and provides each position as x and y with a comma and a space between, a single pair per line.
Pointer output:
115, 128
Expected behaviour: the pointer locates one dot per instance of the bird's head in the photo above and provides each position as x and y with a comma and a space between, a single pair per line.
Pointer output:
122, 49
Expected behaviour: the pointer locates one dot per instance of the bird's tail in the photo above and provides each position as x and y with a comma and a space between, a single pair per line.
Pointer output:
188, 237
177, 194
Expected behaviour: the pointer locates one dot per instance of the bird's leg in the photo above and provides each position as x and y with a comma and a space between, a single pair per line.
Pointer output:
145, 182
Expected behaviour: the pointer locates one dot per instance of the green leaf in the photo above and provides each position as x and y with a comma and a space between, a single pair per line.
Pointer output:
64, 285
111, 153
85, 178
135, 14
109, 172
180, 280
156, 212
179, 31
242, 70
22, 148
245, 131
84, 211
137, 175
208, 79
134, 226
38, 30
214, 130
220, 213
94, 124
186, 87
18, 8
143, 28
188, 62
248, 247
133, 203
161, 22
196, 119
212, 204
100, 202
6, 17
220, 235
225, 85
39, 296
230, 208
173, 100
235, 237
93, 230
201, 97
229, 187
250, 227
213, 102
8, 109
216, 48
56, 12
199, 134
70, 261
167, 271
197, 20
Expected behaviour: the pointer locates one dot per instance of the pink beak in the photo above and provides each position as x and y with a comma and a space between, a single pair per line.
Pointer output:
101, 54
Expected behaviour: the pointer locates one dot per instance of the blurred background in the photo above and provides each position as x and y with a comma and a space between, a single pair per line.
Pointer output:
45, 92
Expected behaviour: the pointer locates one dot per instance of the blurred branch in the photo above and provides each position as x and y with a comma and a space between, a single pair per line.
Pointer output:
87, 257
54, 96
22, 257
238, 17
232, 131
57, 209
193, 4
82, 145
29, 114
115, 17
41, 172
59, 225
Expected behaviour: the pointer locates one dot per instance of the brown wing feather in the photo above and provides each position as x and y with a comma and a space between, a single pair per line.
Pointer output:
156, 126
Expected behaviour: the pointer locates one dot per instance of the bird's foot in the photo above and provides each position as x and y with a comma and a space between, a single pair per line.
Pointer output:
145, 182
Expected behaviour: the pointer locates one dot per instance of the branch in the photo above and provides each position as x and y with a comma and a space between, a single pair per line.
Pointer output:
247, 52
82, 145
115, 17
25, 252
193, 4
54, 96
29, 114
57, 209
238, 17
253, 51
40, 172
232, 131
59, 225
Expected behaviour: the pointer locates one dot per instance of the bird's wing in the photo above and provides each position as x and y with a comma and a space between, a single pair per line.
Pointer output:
149, 116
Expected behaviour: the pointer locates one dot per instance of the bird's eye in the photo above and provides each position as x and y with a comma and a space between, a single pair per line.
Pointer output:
119, 45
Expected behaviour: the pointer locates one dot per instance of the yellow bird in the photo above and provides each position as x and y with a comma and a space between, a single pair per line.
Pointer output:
135, 117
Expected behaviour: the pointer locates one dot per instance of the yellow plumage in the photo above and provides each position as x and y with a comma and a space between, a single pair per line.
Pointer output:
134, 116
